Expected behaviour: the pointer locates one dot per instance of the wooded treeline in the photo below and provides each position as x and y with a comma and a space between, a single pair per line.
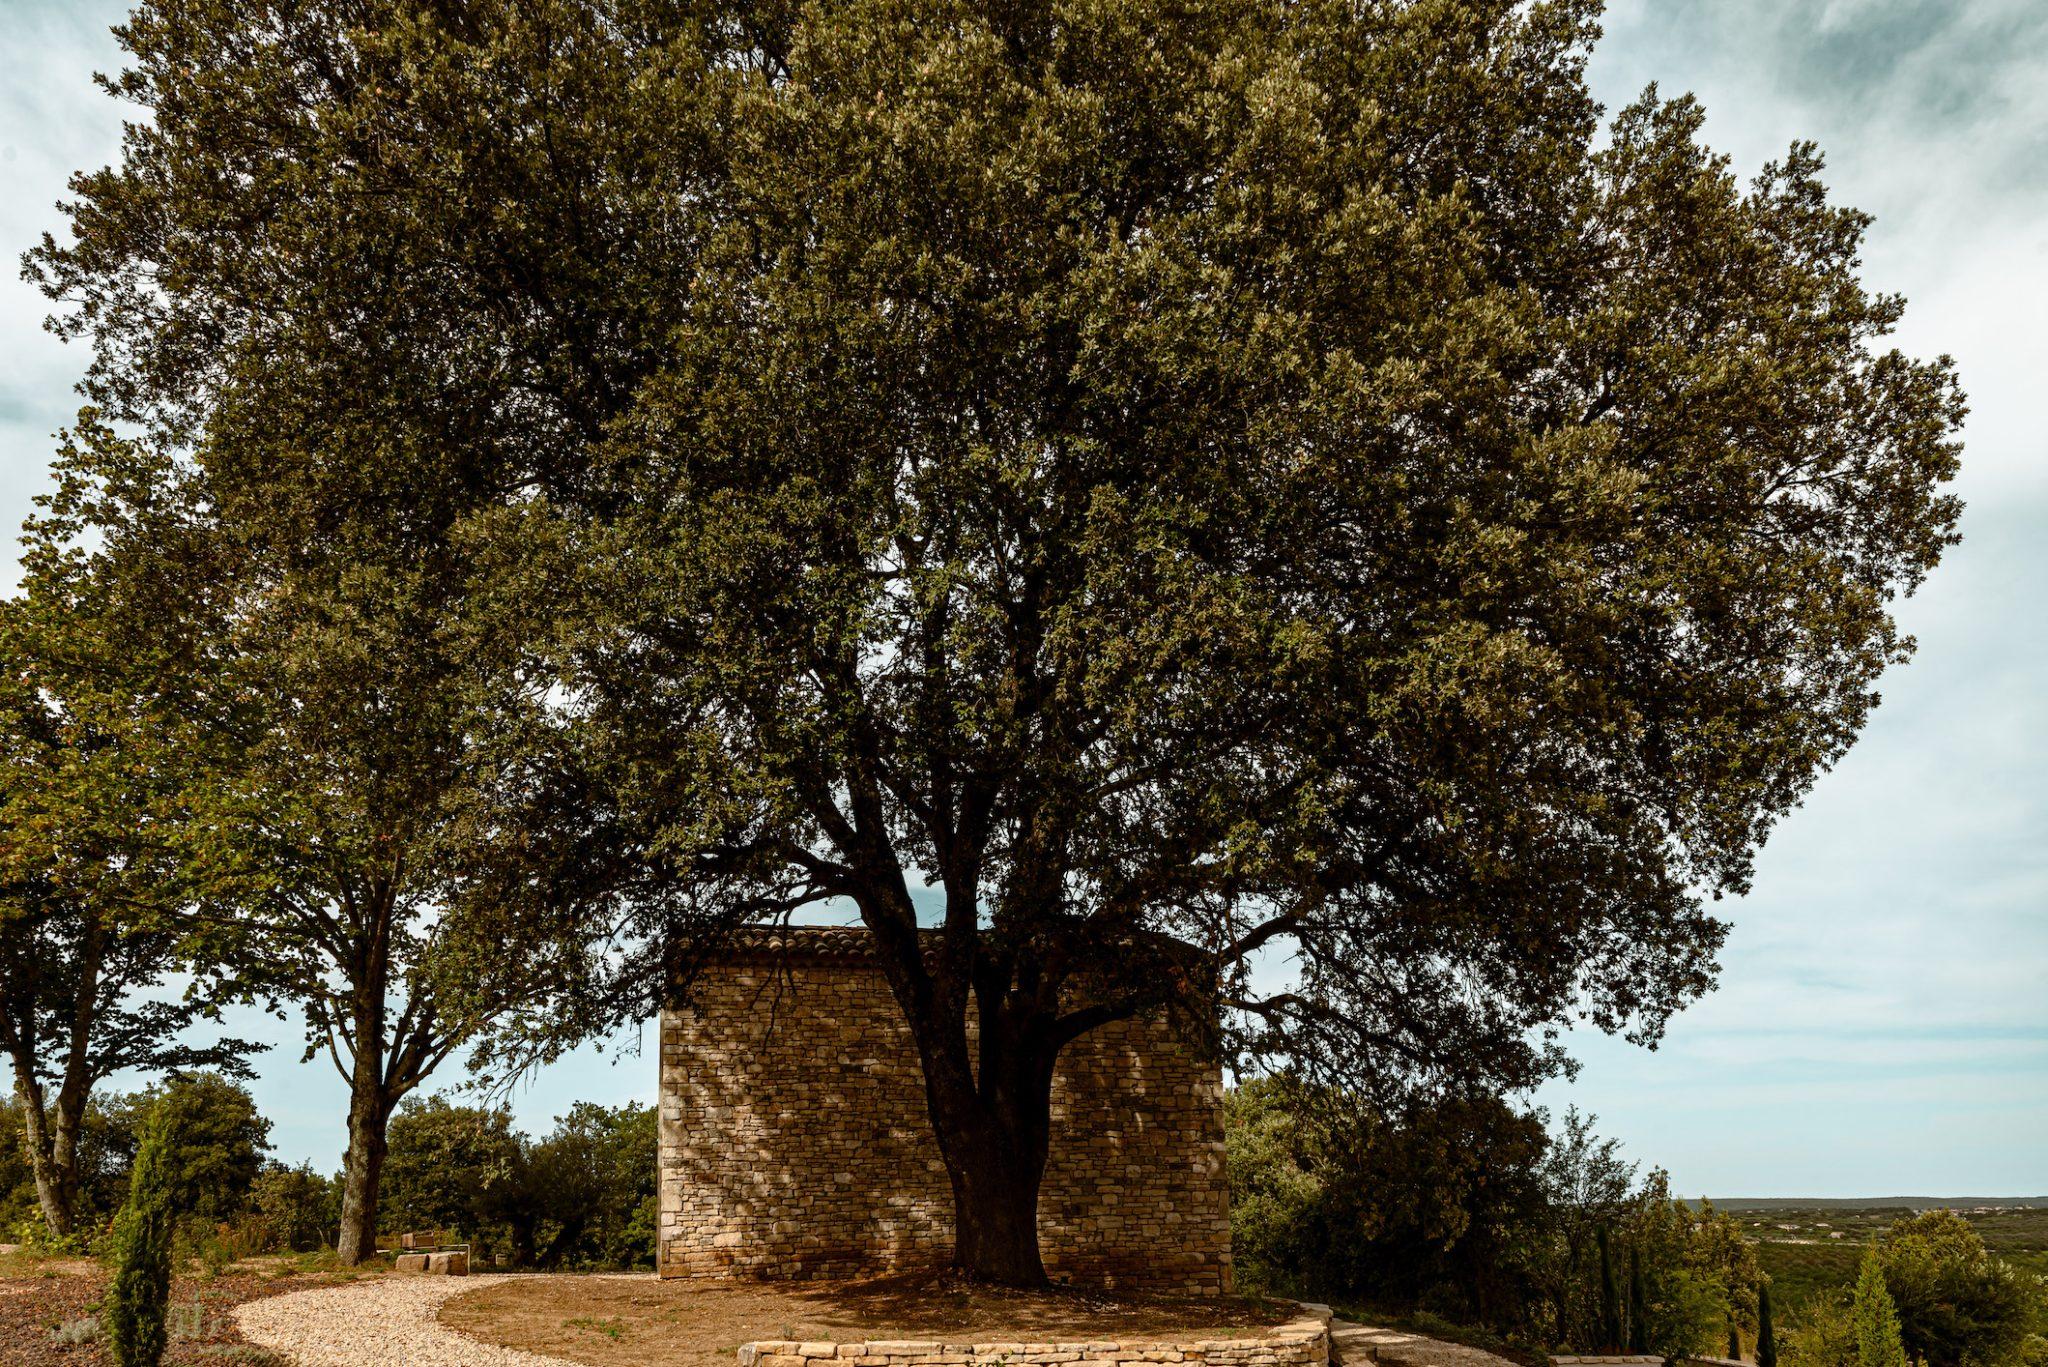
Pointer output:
1482, 1221
581, 1196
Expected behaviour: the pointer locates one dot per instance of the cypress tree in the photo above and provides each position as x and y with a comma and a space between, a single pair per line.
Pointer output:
1734, 1340
141, 1292
1878, 1342
1610, 1299
1766, 1341
1638, 1306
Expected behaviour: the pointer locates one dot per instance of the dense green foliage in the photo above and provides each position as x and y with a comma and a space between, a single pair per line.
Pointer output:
140, 1292
299, 1208
1470, 1212
98, 736
215, 1146
452, 1167
583, 1196
1958, 1306
1803, 1273
1954, 1302
212, 1151
1272, 475
1439, 1198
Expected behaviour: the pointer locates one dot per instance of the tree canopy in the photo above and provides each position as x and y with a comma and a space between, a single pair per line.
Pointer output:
1185, 481
99, 736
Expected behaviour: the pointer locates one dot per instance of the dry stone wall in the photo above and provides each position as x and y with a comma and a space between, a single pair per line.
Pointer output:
795, 1140
1304, 1342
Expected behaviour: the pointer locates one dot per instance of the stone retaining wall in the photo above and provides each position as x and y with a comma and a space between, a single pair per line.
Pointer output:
795, 1141
1298, 1343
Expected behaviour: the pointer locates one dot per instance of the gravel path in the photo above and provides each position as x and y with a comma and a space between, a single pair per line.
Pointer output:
376, 1324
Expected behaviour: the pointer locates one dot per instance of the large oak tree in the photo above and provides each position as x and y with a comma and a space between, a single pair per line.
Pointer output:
1195, 482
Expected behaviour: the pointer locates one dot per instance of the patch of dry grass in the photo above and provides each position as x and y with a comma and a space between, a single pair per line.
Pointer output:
701, 1322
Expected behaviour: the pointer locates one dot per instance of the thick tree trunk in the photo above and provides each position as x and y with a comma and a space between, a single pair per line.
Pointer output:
994, 1130
362, 1171
995, 1221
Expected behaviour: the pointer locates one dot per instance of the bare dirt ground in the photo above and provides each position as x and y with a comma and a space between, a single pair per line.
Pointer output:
40, 1298
633, 1321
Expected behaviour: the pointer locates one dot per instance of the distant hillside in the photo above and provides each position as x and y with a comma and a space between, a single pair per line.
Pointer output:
1737, 1203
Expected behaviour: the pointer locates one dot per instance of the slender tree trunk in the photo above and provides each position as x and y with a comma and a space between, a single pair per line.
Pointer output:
363, 1172
369, 1108
52, 1128
56, 1181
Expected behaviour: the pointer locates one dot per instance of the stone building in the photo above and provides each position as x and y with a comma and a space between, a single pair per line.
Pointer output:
795, 1140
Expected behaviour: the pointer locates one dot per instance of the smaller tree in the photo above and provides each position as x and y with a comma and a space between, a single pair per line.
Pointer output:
99, 733
455, 1167
141, 1290
1734, 1341
297, 1204
1766, 1336
1878, 1340
220, 1140
1589, 1187
595, 1175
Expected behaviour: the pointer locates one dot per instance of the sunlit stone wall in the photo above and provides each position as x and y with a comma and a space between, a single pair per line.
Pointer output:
795, 1141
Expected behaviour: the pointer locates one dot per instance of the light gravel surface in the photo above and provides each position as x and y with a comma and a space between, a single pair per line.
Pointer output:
377, 1323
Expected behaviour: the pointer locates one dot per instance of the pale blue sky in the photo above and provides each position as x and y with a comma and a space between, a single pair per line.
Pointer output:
1882, 1023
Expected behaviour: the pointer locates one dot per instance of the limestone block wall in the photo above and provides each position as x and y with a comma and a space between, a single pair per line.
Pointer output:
795, 1140
1300, 1343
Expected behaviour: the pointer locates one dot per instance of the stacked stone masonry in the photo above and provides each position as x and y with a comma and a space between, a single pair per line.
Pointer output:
795, 1141
1300, 1343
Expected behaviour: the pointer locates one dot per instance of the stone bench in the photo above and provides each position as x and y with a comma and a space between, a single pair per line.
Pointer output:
453, 1264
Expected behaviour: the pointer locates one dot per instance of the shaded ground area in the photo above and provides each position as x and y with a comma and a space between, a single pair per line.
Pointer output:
46, 1306
632, 1321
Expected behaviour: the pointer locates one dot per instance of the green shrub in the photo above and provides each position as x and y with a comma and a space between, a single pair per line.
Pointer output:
1824, 1335
1957, 1305
1878, 1342
141, 1246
